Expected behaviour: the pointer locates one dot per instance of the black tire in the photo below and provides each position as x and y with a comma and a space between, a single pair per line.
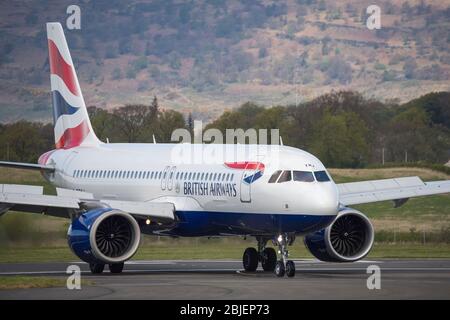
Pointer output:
116, 267
269, 259
290, 268
250, 259
96, 268
279, 269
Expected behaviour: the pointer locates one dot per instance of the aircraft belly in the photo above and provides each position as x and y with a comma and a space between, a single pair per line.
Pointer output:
206, 223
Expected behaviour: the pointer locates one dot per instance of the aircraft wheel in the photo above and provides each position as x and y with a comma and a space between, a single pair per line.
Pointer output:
96, 268
290, 268
250, 259
269, 259
116, 268
279, 269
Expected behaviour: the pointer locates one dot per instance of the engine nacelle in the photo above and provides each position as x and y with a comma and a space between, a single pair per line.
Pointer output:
349, 238
104, 235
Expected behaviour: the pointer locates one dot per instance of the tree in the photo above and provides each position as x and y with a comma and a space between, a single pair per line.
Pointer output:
409, 68
190, 124
340, 140
25, 141
102, 122
154, 108
116, 74
167, 122
340, 70
131, 121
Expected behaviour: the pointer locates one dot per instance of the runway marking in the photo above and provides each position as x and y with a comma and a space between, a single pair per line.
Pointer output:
125, 271
225, 270
143, 262
151, 262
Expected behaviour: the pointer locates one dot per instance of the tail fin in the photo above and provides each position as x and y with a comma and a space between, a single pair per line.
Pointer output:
71, 121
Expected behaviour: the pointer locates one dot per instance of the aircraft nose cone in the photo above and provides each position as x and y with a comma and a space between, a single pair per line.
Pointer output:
327, 200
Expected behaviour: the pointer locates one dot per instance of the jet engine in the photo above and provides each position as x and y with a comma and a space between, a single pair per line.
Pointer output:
104, 235
349, 238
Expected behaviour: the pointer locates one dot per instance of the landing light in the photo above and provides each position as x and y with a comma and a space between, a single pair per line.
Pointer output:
147, 221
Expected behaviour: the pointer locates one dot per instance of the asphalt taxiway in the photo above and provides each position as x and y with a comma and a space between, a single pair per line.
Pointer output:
224, 279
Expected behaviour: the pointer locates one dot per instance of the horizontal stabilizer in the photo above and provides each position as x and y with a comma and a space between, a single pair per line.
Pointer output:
28, 166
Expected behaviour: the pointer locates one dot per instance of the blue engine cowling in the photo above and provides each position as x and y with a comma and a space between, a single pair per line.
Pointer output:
104, 235
349, 238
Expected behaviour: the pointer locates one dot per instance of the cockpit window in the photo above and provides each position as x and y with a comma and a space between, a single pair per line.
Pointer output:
304, 176
321, 176
274, 176
285, 176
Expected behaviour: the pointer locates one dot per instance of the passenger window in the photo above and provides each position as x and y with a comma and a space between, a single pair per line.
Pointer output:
322, 176
285, 176
303, 176
274, 176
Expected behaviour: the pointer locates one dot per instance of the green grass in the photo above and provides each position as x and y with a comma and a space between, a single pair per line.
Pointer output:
218, 249
21, 282
433, 208
29, 282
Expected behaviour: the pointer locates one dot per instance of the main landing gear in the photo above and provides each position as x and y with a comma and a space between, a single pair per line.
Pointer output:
268, 256
97, 268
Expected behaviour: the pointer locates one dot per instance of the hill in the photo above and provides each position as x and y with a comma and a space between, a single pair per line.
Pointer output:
207, 56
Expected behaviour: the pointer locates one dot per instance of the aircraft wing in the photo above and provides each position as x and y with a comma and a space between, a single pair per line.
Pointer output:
399, 190
67, 202
28, 166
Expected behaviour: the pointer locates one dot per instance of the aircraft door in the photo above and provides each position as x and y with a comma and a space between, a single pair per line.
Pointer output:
164, 178
246, 195
170, 178
248, 177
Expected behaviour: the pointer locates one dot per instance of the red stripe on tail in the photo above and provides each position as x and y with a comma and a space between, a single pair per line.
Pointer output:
61, 68
73, 137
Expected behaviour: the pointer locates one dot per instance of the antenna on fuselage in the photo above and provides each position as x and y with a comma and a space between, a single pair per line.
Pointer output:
281, 141
107, 140
154, 140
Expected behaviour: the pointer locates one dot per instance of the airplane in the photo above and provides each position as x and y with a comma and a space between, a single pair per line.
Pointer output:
115, 192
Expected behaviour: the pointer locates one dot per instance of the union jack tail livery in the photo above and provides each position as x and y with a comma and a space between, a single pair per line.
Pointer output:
71, 121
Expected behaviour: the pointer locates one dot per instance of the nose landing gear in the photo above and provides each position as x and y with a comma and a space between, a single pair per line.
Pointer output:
268, 256
284, 266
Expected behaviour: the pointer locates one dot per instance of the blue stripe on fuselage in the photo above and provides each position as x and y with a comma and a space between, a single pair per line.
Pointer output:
60, 106
204, 223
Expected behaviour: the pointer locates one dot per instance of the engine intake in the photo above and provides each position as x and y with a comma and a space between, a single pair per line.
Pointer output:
349, 238
104, 235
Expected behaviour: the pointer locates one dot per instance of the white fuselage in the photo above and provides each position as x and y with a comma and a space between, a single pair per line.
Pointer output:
187, 176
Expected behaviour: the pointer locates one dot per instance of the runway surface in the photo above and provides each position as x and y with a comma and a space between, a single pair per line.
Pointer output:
202, 279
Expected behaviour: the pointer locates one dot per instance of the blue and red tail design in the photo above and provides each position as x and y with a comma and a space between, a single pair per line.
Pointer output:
70, 116
256, 167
